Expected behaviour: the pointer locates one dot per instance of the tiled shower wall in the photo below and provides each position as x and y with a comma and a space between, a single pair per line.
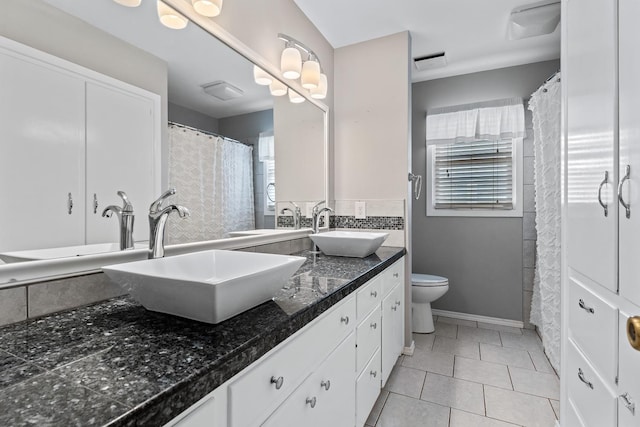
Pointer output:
528, 221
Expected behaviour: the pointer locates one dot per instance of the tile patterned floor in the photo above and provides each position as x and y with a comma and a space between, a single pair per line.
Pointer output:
470, 374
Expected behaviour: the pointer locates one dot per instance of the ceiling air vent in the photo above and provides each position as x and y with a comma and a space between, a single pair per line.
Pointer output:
428, 62
222, 90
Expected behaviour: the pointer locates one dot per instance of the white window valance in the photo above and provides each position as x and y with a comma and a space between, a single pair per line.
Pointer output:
266, 146
494, 120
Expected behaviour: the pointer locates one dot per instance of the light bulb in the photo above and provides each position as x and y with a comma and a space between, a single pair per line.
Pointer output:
277, 88
291, 63
321, 91
310, 74
170, 18
208, 8
129, 3
295, 97
261, 77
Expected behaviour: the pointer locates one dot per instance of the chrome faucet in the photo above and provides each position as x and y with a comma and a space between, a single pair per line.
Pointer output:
125, 218
157, 220
297, 214
317, 214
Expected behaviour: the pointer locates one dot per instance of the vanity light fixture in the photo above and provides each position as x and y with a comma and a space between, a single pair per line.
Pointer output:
209, 8
170, 18
291, 62
129, 3
310, 78
320, 92
295, 97
277, 88
261, 77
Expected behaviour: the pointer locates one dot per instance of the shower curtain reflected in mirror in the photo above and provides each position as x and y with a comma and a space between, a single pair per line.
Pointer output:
545, 307
213, 177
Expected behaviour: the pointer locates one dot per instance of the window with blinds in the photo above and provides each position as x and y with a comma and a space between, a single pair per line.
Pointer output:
473, 175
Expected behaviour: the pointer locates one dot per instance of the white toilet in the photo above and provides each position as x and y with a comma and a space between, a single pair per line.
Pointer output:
425, 289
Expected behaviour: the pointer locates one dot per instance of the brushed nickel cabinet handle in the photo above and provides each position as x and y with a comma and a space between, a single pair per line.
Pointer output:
583, 306
396, 275
345, 320
325, 384
277, 381
583, 379
605, 206
626, 205
374, 326
373, 373
70, 204
95, 203
374, 294
633, 329
394, 307
311, 401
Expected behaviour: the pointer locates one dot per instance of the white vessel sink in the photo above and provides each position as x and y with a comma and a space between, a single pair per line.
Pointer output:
209, 286
357, 244
65, 252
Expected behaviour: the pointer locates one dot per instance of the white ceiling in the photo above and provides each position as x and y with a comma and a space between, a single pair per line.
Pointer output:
473, 33
194, 58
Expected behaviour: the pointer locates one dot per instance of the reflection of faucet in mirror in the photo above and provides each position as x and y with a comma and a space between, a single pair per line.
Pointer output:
317, 214
157, 220
297, 214
125, 218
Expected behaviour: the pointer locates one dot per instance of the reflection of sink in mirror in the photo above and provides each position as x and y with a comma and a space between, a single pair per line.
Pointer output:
65, 252
209, 286
258, 231
357, 244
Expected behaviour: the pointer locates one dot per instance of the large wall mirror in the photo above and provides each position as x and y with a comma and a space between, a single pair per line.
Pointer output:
235, 153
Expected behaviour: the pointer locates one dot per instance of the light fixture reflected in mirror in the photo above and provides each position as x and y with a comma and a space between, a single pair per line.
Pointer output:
320, 92
295, 97
261, 77
291, 63
129, 3
310, 78
170, 18
209, 8
277, 88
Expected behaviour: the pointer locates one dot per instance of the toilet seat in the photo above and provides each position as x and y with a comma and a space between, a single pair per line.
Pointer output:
428, 280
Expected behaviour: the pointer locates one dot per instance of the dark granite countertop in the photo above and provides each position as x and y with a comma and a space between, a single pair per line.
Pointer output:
115, 363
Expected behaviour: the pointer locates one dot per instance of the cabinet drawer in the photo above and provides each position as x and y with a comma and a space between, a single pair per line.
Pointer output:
592, 325
593, 401
367, 389
265, 385
393, 276
368, 334
330, 390
628, 374
369, 296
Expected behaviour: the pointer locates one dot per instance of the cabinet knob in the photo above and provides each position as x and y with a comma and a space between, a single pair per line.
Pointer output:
345, 320
394, 308
325, 384
311, 401
374, 325
628, 403
584, 380
374, 294
278, 382
373, 373
633, 331
396, 275
398, 302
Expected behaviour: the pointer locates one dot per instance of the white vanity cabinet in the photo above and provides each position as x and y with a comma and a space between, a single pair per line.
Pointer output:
71, 137
328, 374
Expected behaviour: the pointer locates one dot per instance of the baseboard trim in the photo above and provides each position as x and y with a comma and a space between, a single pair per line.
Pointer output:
478, 318
408, 351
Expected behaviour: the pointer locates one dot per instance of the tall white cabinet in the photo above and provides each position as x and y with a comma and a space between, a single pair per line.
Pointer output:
71, 138
601, 287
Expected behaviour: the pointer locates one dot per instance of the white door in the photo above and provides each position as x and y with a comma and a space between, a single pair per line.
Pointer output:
122, 154
629, 102
41, 155
591, 121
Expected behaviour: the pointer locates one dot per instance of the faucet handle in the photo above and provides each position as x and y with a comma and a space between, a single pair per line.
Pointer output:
126, 204
157, 204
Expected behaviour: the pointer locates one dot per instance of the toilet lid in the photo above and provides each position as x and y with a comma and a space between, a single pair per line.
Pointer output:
428, 280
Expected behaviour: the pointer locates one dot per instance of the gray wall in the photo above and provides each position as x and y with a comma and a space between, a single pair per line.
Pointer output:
186, 116
484, 258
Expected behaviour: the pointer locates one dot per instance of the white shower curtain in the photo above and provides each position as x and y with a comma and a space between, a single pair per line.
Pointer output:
545, 307
213, 177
